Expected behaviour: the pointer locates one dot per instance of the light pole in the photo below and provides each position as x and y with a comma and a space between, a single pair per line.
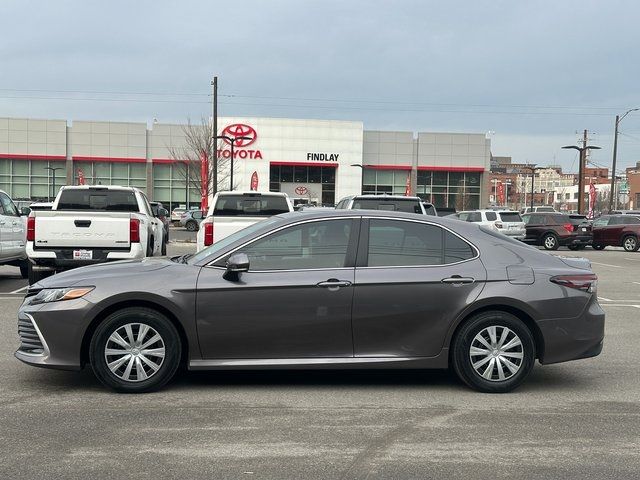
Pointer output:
582, 151
533, 173
361, 167
231, 141
53, 171
615, 154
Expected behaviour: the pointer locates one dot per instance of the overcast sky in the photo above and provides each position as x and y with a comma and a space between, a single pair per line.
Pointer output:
530, 74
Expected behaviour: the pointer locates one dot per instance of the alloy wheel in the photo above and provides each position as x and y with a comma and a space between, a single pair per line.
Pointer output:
134, 352
550, 242
496, 353
630, 244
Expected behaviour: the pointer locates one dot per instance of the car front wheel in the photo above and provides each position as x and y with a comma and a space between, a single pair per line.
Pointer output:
192, 226
493, 352
550, 242
135, 350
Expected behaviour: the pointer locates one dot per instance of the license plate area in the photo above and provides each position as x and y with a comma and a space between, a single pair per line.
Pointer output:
83, 255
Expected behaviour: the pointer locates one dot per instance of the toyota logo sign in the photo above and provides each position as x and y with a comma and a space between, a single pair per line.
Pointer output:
301, 190
240, 130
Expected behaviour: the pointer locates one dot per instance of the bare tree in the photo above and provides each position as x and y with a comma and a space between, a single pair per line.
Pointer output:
197, 159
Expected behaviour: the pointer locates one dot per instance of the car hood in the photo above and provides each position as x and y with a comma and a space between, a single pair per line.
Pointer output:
87, 275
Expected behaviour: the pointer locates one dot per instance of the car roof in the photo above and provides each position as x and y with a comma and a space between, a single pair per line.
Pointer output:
387, 197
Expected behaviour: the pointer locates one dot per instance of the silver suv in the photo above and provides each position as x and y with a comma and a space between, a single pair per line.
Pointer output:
507, 222
12, 235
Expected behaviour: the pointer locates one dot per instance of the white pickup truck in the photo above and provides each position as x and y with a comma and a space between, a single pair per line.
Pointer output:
232, 211
91, 224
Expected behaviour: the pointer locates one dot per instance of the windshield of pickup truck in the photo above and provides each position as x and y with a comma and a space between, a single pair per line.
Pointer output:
220, 245
250, 205
96, 199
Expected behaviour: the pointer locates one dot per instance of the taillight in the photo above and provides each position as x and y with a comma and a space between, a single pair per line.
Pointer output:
31, 229
587, 282
134, 230
498, 224
208, 233
568, 227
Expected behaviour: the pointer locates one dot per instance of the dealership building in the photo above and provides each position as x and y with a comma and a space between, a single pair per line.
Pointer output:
318, 160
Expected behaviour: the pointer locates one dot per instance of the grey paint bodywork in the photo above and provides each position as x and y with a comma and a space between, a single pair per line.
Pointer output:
392, 317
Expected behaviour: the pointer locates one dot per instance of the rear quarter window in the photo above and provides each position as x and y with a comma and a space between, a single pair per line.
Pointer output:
491, 216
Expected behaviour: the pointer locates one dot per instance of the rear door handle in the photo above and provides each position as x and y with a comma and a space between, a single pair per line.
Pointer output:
334, 284
458, 280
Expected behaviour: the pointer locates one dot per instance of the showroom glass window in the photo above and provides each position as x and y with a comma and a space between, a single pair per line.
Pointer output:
401, 243
321, 244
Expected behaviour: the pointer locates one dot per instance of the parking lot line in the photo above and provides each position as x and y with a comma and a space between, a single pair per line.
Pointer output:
619, 305
606, 265
20, 289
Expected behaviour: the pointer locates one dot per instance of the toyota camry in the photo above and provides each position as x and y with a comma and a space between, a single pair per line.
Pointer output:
340, 289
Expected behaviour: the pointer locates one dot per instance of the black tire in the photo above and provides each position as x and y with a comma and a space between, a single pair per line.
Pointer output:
35, 276
163, 251
597, 246
630, 243
465, 339
170, 340
550, 241
192, 226
24, 268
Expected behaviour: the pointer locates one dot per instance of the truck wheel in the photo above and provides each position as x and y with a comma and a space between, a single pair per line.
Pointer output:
163, 252
24, 268
35, 276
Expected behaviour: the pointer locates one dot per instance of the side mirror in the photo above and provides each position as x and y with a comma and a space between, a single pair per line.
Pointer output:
236, 264
25, 211
163, 212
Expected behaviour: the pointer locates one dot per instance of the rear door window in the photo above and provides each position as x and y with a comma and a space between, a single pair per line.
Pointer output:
491, 216
632, 220
250, 205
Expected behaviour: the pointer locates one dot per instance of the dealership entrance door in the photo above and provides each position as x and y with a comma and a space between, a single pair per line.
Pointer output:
307, 183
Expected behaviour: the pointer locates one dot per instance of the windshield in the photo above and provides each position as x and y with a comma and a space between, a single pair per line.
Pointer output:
220, 245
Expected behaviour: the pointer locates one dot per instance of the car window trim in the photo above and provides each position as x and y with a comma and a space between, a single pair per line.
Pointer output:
365, 233
349, 259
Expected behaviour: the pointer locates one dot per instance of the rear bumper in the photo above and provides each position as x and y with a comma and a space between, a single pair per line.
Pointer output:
62, 258
573, 338
576, 240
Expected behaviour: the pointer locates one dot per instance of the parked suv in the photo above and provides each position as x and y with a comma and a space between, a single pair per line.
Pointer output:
397, 203
618, 231
506, 222
12, 235
191, 220
552, 230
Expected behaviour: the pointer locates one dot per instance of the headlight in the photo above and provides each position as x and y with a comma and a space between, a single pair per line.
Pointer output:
58, 294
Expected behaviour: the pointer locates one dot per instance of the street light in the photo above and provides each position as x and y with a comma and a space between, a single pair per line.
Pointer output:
582, 151
231, 141
361, 167
53, 170
615, 154
533, 173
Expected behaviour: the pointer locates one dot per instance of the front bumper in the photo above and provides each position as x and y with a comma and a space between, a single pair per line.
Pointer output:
61, 327
573, 338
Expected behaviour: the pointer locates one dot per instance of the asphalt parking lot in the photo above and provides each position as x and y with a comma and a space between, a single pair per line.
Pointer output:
577, 420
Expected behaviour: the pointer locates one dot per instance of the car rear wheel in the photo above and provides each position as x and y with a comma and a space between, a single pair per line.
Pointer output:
135, 350
597, 246
550, 242
192, 226
630, 243
493, 352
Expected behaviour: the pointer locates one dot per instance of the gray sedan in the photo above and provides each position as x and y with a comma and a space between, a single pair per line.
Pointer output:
321, 289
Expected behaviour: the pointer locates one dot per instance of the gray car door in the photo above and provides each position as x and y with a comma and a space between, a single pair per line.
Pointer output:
294, 302
412, 279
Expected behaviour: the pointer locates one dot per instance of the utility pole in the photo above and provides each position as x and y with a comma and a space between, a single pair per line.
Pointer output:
214, 133
583, 161
615, 154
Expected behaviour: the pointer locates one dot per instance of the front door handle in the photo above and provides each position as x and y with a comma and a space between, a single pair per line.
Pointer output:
334, 284
458, 280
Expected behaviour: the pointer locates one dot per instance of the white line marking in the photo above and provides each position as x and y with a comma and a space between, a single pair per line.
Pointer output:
605, 299
606, 265
629, 258
618, 305
637, 283
20, 289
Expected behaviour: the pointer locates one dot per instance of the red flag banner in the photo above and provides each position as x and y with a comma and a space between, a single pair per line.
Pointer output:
407, 189
254, 181
81, 179
500, 193
592, 201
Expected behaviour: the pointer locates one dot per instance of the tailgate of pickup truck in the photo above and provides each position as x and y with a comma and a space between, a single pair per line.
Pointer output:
81, 229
